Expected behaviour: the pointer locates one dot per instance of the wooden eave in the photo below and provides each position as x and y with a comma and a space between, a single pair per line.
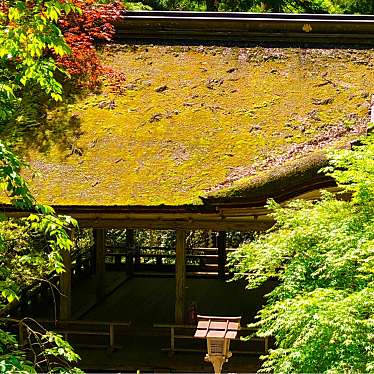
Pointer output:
164, 217
224, 216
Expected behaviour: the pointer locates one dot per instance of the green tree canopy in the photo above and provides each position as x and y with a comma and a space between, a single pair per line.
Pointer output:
283, 6
29, 40
28, 37
322, 312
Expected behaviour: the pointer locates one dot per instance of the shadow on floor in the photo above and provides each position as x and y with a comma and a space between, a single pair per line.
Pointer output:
145, 301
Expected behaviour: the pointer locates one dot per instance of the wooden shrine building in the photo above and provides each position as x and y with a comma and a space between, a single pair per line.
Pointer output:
198, 138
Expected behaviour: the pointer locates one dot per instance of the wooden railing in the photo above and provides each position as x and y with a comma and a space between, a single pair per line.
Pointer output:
86, 328
186, 332
153, 259
161, 259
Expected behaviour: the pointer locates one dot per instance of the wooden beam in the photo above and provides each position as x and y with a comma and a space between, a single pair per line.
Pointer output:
130, 241
244, 225
222, 219
221, 244
99, 240
180, 277
65, 287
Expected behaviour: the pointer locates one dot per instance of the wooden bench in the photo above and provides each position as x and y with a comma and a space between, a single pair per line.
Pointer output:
67, 328
176, 335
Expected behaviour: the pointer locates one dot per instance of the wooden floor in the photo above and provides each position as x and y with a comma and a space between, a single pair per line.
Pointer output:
83, 297
150, 300
84, 291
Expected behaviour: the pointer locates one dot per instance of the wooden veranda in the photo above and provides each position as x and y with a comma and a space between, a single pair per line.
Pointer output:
215, 217
202, 262
220, 219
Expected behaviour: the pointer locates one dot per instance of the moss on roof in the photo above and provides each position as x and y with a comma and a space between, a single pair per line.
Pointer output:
189, 121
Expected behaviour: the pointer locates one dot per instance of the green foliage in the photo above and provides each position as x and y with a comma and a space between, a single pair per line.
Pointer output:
355, 6
297, 6
17, 237
355, 171
11, 181
30, 249
322, 253
317, 6
28, 35
285, 6
192, 5
137, 6
167, 238
13, 360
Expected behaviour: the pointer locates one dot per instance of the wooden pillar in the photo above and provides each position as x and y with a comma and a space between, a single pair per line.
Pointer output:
99, 238
130, 243
180, 277
65, 287
93, 255
136, 252
221, 244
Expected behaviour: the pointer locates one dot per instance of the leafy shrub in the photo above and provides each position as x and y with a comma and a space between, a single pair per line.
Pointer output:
322, 253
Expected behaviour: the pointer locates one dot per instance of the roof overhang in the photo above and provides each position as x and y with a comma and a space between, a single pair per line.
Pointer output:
218, 217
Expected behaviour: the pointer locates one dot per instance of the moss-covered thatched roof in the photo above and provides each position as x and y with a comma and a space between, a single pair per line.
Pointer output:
196, 121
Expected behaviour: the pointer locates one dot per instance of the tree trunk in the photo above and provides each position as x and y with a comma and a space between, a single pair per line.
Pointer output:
212, 5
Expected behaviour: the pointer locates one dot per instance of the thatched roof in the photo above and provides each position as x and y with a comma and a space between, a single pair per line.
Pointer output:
215, 122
